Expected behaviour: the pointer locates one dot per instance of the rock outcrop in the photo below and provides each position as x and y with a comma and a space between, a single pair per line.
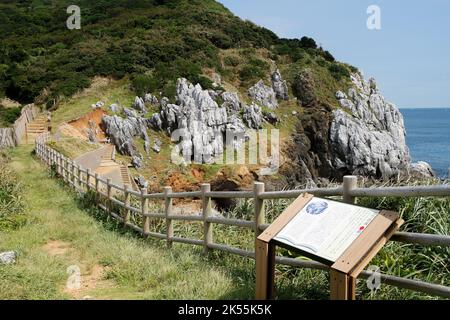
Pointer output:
361, 134
122, 132
253, 116
139, 105
367, 135
280, 86
263, 95
231, 102
199, 121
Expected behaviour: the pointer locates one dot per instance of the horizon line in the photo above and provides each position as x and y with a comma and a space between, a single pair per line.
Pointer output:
448, 107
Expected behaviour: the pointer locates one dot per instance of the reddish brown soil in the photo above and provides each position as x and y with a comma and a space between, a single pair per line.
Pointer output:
78, 128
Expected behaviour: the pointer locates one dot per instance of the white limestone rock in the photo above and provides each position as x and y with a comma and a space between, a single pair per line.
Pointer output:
280, 86
368, 135
263, 95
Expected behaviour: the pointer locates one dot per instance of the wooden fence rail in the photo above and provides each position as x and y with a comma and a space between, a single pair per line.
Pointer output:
84, 180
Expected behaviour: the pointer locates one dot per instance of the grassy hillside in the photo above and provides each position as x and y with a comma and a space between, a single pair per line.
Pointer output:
151, 41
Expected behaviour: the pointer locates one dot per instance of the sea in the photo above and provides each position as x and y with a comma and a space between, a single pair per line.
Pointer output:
428, 137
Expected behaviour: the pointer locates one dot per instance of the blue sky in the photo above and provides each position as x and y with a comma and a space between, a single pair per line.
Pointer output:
409, 56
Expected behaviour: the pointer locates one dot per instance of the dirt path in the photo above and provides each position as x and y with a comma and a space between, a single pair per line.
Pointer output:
61, 241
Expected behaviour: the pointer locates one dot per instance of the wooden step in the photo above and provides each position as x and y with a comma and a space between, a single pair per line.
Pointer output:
35, 131
108, 163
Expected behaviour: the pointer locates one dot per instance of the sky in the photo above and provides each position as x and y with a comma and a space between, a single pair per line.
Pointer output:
409, 56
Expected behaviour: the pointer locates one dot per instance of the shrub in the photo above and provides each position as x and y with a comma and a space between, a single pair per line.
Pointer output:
339, 71
231, 61
143, 84
249, 73
9, 115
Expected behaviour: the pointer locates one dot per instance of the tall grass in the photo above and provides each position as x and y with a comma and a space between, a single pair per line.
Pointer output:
422, 215
11, 200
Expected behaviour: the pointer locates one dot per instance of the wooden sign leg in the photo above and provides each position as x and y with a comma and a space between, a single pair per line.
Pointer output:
342, 286
265, 270
351, 288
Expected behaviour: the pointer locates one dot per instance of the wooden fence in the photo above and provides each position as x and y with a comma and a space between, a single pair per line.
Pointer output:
83, 180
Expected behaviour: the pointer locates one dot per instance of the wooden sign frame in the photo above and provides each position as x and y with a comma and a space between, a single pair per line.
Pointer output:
343, 272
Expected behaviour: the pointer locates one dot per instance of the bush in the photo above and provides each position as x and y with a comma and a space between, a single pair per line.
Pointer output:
231, 61
143, 84
9, 115
339, 71
250, 73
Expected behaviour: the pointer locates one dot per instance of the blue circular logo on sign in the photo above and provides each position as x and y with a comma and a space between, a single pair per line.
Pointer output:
317, 207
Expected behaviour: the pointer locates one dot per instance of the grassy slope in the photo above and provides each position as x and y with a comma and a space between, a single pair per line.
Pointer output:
135, 269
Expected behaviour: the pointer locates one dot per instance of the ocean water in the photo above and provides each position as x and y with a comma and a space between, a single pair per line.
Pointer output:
428, 137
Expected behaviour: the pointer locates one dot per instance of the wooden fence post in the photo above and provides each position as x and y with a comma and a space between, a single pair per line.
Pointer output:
339, 289
64, 168
258, 188
109, 196
71, 173
97, 189
58, 165
144, 211
168, 204
208, 228
350, 183
88, 180
79, 178
127, 202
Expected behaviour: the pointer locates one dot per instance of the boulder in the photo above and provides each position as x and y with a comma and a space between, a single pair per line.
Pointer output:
231, 102
141, 182
422, 170
280, 86
157, 145
270, 117
263, 95
149, 98
114, 108
8, 257
253, 116
136, 161
139, 105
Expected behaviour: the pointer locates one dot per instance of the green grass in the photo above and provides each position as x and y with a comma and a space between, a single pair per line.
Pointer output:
137, 268
73, 147
108, 91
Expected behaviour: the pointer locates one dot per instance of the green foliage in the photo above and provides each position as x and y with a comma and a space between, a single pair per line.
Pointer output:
144, 83
231, 61
339, 71
254, 70
117, 38
9, 115
12, 203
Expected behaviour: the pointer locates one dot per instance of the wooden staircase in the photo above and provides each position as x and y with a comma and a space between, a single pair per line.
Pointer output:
35, 128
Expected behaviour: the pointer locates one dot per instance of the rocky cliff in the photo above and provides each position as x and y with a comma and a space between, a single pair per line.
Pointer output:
363, 134
367, 135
